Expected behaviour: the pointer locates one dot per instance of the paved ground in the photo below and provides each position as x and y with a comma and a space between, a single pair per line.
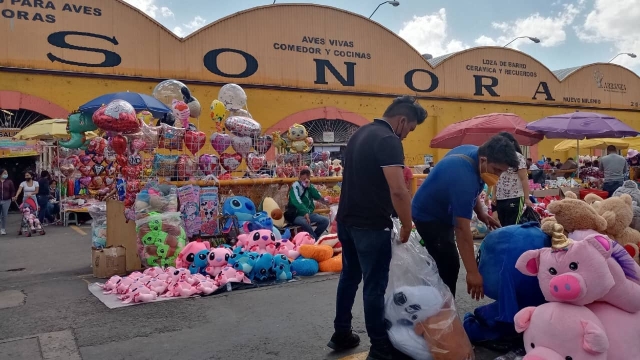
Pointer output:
48, 313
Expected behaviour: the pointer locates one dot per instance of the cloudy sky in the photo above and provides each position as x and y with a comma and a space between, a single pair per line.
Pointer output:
572, 33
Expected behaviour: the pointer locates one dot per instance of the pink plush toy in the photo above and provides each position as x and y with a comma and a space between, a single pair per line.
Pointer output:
178, 275
123, 286
558, 331
261, 242
180, 289
207, 287
303, 238
159, 286
288, 249
153, 272
229, 274
136, 274
184, 259
582, 272
140, 294
218, 259
111, 284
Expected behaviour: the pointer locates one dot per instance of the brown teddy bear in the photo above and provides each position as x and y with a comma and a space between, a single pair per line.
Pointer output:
573, 215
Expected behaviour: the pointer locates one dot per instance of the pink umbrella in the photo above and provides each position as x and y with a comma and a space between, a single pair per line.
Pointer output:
479, 129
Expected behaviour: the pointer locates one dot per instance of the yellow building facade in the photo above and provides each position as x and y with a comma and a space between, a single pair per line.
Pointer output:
296, 62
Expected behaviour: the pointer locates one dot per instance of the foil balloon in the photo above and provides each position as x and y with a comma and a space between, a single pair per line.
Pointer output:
97, 146
98, 158
78, 124
85, 159
230, 162
134, 160
132, 172
263, 144
118, 116
145, 116
150, 136
110, 155
122, 160
233, 97
138, 145
165, 165
119, 144
169, 90
97, 169
186, 167
171, 137
194, 108
218, 111
181, 112
240, 112
243, 126
241, 144
194, 141
85, 170
68, 165
255, 161
85, 181
220, 142
209, 164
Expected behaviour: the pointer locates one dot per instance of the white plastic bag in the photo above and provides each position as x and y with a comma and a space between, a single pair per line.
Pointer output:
98, 214
419, 308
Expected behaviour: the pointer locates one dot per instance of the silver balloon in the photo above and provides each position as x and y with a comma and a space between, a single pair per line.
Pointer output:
240, 112
243, 126
233, 97
195, 108
168, 90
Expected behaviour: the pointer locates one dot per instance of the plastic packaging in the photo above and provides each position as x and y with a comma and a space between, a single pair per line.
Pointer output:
98, 213
419, 308
160, 238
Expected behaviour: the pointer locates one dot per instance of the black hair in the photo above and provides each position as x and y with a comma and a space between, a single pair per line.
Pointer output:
44, 174
305, 172
3, 170
611, 148
596, 163
513, 140
406, 106
588, 164
530, 159
499, 150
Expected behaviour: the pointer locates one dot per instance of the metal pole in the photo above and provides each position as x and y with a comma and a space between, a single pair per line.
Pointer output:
374, 11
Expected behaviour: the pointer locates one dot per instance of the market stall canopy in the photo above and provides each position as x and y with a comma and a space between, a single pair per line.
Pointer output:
601, 144
479, 129
139, 102
48, 130
581, 125
634, 142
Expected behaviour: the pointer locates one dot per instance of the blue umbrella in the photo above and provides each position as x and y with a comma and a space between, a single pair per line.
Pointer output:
139, 102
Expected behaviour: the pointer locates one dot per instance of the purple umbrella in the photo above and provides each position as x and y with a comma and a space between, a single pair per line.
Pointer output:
581, 125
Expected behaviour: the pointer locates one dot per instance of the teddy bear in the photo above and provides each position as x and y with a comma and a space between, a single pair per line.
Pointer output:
336, 167
631, 187
574, 215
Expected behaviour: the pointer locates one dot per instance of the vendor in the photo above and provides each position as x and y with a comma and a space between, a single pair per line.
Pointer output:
301, 196
53, 207
445, 203
614, 167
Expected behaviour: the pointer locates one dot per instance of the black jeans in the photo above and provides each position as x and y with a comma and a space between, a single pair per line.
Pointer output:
43, 205
509, 210
366, 254
611, 186
439, 240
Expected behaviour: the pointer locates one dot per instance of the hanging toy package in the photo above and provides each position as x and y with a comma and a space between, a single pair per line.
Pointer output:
420, 311
98, 213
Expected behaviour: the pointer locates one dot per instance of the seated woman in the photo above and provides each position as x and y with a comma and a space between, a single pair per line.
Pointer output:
53, 208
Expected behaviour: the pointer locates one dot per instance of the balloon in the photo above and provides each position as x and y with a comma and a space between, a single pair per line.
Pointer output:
110, 155
150, 136
194, 140
122, 160
230, 162
181, 113
98, 169
118, 116
85, 181
171, 137
68, 166
132, 172
145, 116
186, 167
263, 144
255, 162
85, 170
85, 159
134, 160
77, 124
209, 164
243, 126
194, 108
97, 145
241, 144
138, 145
167, 118
65, 152
119, 144
220, 142
96, 183
240, 112
218, 111
233, 97
169, 90
165, 165
98, 158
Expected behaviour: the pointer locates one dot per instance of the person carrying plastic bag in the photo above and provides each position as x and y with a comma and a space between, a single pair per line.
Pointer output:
421, 316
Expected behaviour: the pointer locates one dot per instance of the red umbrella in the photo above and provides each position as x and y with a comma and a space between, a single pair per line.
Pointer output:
479, 129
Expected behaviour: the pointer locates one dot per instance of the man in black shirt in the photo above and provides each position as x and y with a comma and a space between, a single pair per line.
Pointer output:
372, 187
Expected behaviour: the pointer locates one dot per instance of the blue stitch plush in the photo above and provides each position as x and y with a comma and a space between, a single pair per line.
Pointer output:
282, 267
263, 268
239, 206
304, 267
245, 262
199, 263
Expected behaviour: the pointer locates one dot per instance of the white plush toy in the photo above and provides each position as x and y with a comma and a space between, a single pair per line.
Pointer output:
336, 167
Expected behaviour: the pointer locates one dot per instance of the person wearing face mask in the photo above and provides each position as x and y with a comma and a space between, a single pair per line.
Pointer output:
301, 197
443, 206
28, 186
373, 187
7, 191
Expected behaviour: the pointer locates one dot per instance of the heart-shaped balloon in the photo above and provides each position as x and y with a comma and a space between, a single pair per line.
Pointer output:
85, 181
98, 158
67, 169
65, 153
263, 144
138, 145
186, 167
73, 160
209, 164
108, 181
111, 169
118, 116
96, 183
119, 144
241, 144
85, 159
122, 160
131, 172
110, 155
134, 160
220, 142
243, 126
150, 136
85, 170
171, 137
255, 162
194, 140
97, 169
230, 162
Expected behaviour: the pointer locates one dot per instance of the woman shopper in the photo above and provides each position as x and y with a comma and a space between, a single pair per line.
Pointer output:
7, 191
512, 190
28, 186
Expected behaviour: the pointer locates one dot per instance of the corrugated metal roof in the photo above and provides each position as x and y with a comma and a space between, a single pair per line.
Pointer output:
437, 60
563, 73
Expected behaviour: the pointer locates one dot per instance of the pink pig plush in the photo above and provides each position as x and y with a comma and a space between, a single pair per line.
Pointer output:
261, 242
303, 238
218, 259
582, 272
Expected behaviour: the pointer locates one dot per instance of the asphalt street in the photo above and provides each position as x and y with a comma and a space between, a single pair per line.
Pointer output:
47, 312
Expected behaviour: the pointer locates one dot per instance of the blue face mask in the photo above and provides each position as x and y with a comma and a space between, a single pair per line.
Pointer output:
4, 176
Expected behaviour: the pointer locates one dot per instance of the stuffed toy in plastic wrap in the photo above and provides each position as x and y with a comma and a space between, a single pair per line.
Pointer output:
511, 290
422, 321
630, 187
161, 237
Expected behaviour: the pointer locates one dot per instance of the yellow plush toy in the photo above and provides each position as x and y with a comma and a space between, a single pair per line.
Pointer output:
299, 140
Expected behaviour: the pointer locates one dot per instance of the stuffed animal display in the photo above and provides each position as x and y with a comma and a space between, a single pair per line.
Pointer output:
630, 188
161, 237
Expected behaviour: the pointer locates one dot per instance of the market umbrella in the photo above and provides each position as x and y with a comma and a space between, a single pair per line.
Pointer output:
48, 129
139, 102
602, 144
581, 125
479, 129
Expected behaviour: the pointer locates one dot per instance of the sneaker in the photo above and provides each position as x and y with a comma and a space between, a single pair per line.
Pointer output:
343, 341
380, 352
3, 232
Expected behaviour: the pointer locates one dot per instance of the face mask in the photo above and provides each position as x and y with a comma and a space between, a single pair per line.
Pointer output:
489, 178
399, 134
306, 183
4, 176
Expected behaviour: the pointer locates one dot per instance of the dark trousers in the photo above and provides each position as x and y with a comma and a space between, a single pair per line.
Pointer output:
366, 254
439, 240
43, 205
611, 186
509, 210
